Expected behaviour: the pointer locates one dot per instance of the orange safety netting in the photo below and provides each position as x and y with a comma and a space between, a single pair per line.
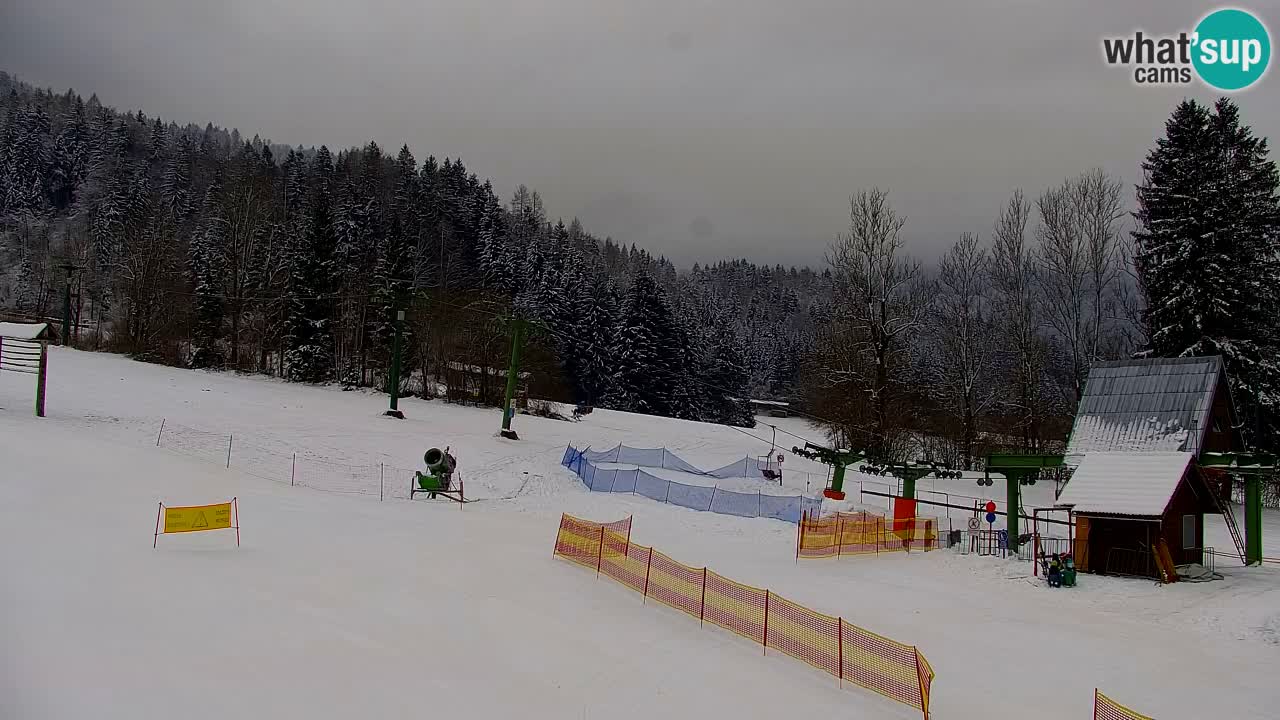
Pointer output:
1104, 708
828, 643
861, 533
580, 540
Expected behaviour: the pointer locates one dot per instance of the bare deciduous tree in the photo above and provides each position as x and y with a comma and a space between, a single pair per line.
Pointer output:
1014, 287
1077, 265
963, 365
881, 301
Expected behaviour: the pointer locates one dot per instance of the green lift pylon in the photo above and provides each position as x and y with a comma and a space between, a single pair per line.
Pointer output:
393, 379
66, 303
513, 374
1018, 470
837, 459
1253, 467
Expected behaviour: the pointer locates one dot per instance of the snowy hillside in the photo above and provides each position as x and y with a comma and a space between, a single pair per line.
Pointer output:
339, 605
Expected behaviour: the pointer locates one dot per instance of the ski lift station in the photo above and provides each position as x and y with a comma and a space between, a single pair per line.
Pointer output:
1153, 445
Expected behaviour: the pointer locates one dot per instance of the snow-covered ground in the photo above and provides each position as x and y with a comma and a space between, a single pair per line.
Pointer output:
338, 605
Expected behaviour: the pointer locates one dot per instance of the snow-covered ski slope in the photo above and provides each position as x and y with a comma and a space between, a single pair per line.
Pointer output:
338, 605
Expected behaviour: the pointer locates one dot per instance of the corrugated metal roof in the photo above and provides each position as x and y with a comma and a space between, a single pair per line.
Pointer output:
1146, 405
1125, 483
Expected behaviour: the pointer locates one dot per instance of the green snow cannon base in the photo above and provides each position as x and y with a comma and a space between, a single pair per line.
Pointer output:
438, 480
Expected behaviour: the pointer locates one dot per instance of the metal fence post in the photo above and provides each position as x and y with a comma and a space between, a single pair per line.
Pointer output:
702, 613
229, 437
840, 649
382, 472
765, 634
293, 469
162, 420
600, 552
647, 567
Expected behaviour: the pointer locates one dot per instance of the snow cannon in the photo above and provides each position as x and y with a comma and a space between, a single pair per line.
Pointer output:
439, 462
439, 475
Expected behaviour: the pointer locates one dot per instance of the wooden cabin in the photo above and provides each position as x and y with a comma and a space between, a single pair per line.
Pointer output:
1136, 488
1127, 503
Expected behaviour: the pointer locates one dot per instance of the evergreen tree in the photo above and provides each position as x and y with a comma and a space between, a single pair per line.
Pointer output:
28, 163
594, 346
1209, 224
309, 327
647, 351
729, 381
69, 166
206, 268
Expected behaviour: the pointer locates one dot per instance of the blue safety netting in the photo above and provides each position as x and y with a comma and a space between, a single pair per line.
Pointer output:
788, 508
663, 458
726, 502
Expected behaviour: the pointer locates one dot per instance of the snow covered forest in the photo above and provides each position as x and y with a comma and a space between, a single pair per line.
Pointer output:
197, 246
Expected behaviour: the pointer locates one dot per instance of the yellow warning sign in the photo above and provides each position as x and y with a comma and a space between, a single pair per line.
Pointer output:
196, 518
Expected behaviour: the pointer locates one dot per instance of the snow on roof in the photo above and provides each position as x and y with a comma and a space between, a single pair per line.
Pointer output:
22, 331
1145, 405
1120, 483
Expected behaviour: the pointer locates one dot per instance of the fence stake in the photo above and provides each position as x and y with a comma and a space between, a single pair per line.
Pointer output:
293, 469
766, 624
840, 650
920, 680
713, 498
804, 515
600, 553
382, 471
647, 566
839, 533
160, 433
702, 613
759, 502
229, 451
556, 546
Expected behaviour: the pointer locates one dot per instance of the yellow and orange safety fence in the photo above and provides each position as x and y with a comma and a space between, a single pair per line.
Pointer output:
1104, 708
828, 643
861, 533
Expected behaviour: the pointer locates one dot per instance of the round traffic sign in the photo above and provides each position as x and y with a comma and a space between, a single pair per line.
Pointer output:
991, 517
973, 523
780, 457
991, 506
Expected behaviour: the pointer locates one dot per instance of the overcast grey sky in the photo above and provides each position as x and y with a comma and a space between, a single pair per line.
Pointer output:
695, 128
